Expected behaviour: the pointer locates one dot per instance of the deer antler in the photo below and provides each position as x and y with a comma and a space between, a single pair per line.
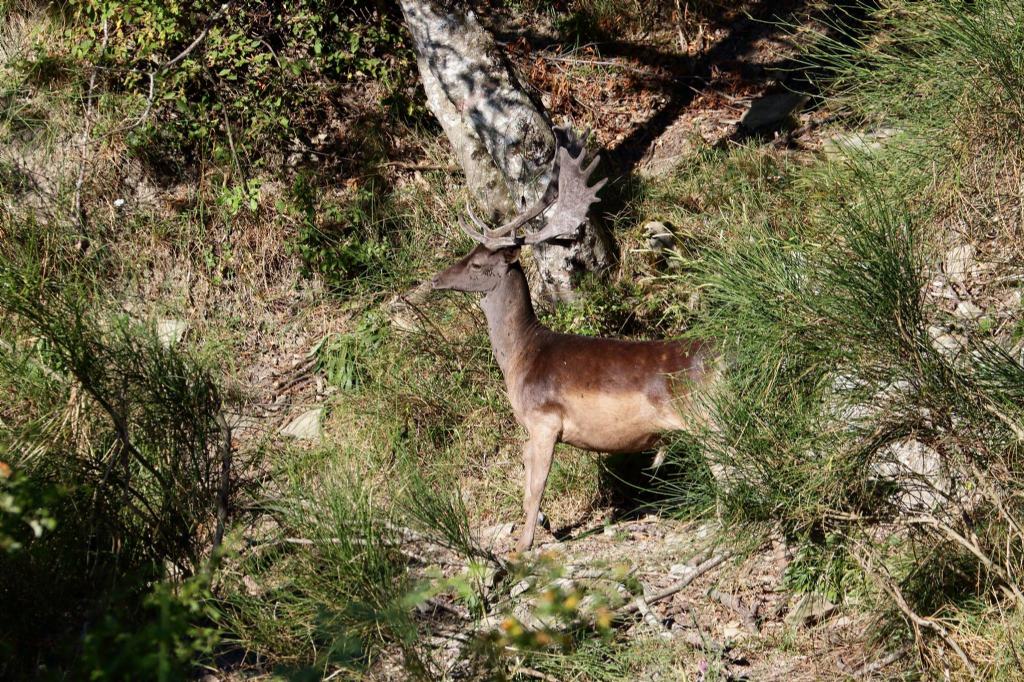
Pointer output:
570, 208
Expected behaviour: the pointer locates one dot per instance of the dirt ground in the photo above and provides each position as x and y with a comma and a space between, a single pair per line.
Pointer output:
652, 97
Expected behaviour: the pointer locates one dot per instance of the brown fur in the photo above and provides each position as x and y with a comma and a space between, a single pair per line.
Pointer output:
604, 395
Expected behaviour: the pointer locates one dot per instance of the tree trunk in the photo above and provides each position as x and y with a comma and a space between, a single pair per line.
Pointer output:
503, 140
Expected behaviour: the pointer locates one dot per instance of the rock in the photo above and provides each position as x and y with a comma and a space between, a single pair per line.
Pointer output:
944, 342
965, 310
662, 241
773, 111
732, 630
917, 470
810, 608
867, 141
680, 571
251, 587
241, 422
170, 332
659, 236
958, 262
306, 426
492, 535
519, 588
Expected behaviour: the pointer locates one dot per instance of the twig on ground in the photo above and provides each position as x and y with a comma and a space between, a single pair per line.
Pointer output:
864, 557
413, 303
875, 666
536, 674
700, 570
972, 546
733, 603
650, 618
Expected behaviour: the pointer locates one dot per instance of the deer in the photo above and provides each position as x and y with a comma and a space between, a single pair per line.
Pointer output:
603, 395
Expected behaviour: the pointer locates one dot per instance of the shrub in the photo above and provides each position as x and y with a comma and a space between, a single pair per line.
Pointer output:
240, 78
117, 433
838, 355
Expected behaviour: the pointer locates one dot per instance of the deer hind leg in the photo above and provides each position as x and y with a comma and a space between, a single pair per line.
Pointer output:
537, 455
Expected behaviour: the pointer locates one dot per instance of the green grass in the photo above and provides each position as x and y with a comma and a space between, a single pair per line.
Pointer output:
815, 285
812, 272
118, 435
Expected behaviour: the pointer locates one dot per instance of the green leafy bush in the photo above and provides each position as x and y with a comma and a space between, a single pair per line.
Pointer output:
24, 509
241, 77
164, 641
355, 244
118, 452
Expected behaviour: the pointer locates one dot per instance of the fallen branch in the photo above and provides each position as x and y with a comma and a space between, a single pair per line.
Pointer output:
733, 603
971, 545
700, 570
650, 618
875, 666
535, 674
918, 621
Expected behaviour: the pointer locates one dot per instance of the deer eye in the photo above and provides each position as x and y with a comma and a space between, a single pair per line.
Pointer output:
475, 266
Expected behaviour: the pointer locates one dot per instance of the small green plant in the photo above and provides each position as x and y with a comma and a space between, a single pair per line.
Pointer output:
242, 195
344, 357
167, 640
255, 79
824, 567
340, 582
117, 450
355, 245
23, 510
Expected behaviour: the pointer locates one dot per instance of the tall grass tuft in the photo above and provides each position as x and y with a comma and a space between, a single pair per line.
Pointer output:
119, 431
856, 406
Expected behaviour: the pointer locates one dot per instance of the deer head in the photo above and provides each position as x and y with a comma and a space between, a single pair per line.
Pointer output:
498, 248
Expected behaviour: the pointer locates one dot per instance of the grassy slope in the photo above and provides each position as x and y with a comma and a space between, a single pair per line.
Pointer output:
815, 271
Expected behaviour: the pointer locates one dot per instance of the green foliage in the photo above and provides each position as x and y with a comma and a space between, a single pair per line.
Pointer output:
945, 65
823, 566
114, 439
343, 358
818, 298
359, 243
24, 509
339, 582
164, 642
587, 21
260, 74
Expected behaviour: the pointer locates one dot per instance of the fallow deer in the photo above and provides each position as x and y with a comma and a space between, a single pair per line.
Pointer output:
598, 394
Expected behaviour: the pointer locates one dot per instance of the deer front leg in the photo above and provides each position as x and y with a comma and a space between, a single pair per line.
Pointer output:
537, 455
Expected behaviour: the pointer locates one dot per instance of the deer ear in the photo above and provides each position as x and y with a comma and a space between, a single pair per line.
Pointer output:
511, 255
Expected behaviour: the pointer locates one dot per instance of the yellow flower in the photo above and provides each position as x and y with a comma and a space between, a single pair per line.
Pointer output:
512, 627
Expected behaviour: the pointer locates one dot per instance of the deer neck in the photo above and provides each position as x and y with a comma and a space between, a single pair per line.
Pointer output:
511, 321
